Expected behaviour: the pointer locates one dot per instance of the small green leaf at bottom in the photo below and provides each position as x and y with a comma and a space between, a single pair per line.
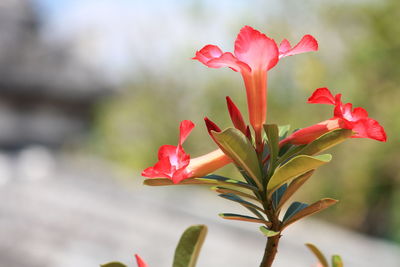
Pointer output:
267, 232
320, 256
187, 251
337, 261
113, 264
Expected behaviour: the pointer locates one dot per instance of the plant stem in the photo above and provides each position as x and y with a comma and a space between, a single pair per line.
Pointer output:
270, 251
272, 243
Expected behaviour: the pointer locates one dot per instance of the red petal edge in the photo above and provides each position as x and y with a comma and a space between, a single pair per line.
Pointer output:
307, 44
369, 128
207, 53
256, 49
284, 47
211, 126
185, 128
322, 96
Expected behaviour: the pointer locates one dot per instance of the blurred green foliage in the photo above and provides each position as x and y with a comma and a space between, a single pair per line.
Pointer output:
359, 56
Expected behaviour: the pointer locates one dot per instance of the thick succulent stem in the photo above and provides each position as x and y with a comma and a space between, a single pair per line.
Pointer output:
271, 247
270, 251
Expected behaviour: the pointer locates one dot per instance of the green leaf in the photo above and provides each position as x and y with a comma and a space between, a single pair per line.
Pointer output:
236, 145
165, 182
224, 190
318, 254
239, 217
294, 208
292, 188
268, 232
113, 264
337, 261
292, 151
293, 168
247, 178
250, 206
273, 142
216, 179
207, 180
283, 131
277, 195
326, 141
309, 210
187, 251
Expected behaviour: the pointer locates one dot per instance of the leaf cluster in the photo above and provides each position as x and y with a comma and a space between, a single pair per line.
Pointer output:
269, 179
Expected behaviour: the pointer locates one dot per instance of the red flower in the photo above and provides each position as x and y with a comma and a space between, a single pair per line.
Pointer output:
344, 117
172, 160
175, 164
140, 262
254, 55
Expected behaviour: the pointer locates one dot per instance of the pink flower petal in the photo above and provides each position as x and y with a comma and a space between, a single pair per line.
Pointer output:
207, 53
338, 110
180, 175
256, 49
182, 158
346, 110
213, 57
228, 60
359, 113
166, 151
369, 128
151, 173
322, 96
164, 168
306, 44
284, 47
185, 128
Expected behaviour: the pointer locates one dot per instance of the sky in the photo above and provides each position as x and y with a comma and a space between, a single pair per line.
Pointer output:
127, 35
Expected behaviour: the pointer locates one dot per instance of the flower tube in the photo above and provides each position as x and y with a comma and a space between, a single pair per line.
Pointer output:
254, 55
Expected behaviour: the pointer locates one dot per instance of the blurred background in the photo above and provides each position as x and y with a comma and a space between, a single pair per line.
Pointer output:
90, 89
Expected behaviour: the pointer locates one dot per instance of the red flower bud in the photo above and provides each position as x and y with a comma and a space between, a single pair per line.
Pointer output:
211, 126
140, 262
236, 115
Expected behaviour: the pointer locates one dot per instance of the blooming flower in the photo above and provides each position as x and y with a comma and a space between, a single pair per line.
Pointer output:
344, 117
175, 164
140, 261
254, 55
